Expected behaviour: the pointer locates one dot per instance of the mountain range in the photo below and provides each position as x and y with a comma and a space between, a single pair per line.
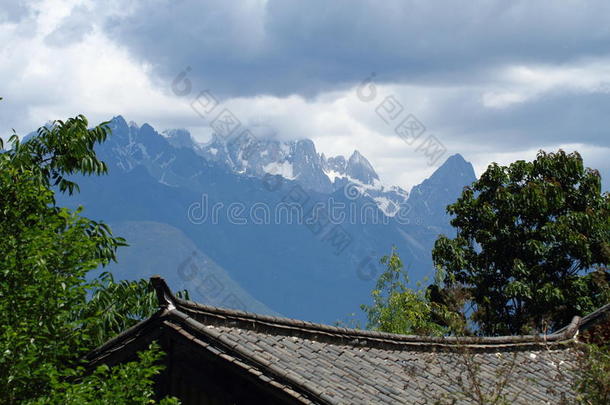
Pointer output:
260, 224
296, 160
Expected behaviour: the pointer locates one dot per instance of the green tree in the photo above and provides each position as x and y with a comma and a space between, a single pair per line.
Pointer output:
47, 323
399, 309
117, 306
102, 385
532, 238
593, 375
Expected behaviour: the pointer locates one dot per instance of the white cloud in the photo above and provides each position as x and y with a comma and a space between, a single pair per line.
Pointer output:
94, 76
520, 83
58, 62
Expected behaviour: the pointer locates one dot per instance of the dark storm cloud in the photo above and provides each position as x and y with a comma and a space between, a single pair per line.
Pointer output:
486, 77
554, 118
282, 47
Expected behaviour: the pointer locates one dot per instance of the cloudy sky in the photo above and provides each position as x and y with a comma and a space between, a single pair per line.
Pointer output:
490, 79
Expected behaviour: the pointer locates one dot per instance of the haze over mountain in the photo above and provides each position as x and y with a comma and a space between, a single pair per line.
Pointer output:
496, 81
260, 224
294, 160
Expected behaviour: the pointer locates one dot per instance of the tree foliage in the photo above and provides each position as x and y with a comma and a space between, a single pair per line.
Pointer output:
118, 305
47, 322
593, 375
531, 251
532, 240
399, 309
102, 385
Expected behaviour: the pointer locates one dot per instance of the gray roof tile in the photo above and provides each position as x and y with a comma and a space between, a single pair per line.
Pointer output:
324, 364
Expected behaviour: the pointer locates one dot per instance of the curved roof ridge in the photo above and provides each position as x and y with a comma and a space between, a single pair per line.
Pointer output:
247, 355
596, 315
250, 320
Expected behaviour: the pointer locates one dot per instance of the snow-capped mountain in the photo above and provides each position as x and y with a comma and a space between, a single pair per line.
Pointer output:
359, 173
171, 196
357, 168
295, 160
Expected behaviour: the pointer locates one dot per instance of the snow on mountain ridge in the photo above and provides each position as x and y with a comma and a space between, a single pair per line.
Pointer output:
254, 157
284, 169
299, 160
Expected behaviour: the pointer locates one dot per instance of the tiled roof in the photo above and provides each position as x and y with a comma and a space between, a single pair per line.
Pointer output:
599, 316
321, 364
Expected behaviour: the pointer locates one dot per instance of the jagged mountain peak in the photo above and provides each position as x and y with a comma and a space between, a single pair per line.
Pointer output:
429, 199
119, 119
296, 160
118, 123
359, 168
179, 138
455, 167
456, 157
305, 152
456, 161
150, 179
306, 143
147, 129
357, 156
